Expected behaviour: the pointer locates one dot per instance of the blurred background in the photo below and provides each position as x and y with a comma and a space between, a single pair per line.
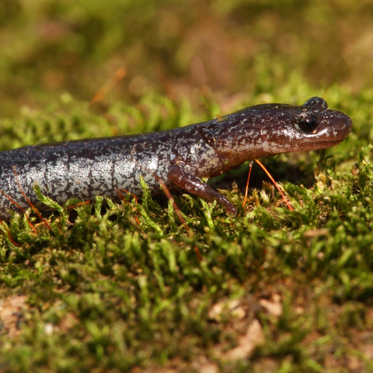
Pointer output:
125, 49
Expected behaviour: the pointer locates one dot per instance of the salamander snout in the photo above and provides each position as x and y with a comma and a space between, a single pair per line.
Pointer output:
316, 129
319, 119
347, 125
327, 125
339, 124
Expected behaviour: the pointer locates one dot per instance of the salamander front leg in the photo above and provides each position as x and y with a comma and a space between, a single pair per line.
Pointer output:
194, 184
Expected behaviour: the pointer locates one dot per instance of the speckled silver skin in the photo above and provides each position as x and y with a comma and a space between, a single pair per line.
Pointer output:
88, 168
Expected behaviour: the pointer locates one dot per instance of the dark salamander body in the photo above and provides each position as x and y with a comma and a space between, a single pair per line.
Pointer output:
181, 157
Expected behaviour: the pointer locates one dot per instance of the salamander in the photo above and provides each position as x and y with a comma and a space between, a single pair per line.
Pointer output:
180, 157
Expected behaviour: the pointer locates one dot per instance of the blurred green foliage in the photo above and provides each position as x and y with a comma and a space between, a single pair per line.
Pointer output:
50, 47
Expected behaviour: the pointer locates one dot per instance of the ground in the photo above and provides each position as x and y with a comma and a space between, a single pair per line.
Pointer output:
112, 287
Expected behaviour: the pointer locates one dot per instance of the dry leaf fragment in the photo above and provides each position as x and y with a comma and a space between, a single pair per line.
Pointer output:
246, 344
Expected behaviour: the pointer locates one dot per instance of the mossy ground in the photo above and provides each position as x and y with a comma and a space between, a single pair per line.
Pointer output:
116, 287
121, 287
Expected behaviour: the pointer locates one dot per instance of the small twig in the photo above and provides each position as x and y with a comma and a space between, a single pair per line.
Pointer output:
9, 235
20, 207
109, 85
28, 200
121, 196
70, 207
276, 185
247, 183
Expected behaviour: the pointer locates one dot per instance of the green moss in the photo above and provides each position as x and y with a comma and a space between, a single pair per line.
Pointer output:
118, 286
122, 286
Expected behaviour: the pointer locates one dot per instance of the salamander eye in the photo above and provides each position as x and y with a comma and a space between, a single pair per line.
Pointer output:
305, 123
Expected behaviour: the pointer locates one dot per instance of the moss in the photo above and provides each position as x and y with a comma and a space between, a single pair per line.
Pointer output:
118, 286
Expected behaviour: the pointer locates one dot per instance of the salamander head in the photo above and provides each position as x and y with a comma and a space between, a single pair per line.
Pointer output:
269, 129
311, 126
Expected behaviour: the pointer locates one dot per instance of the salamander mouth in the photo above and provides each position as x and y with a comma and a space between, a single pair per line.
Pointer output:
325, 144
